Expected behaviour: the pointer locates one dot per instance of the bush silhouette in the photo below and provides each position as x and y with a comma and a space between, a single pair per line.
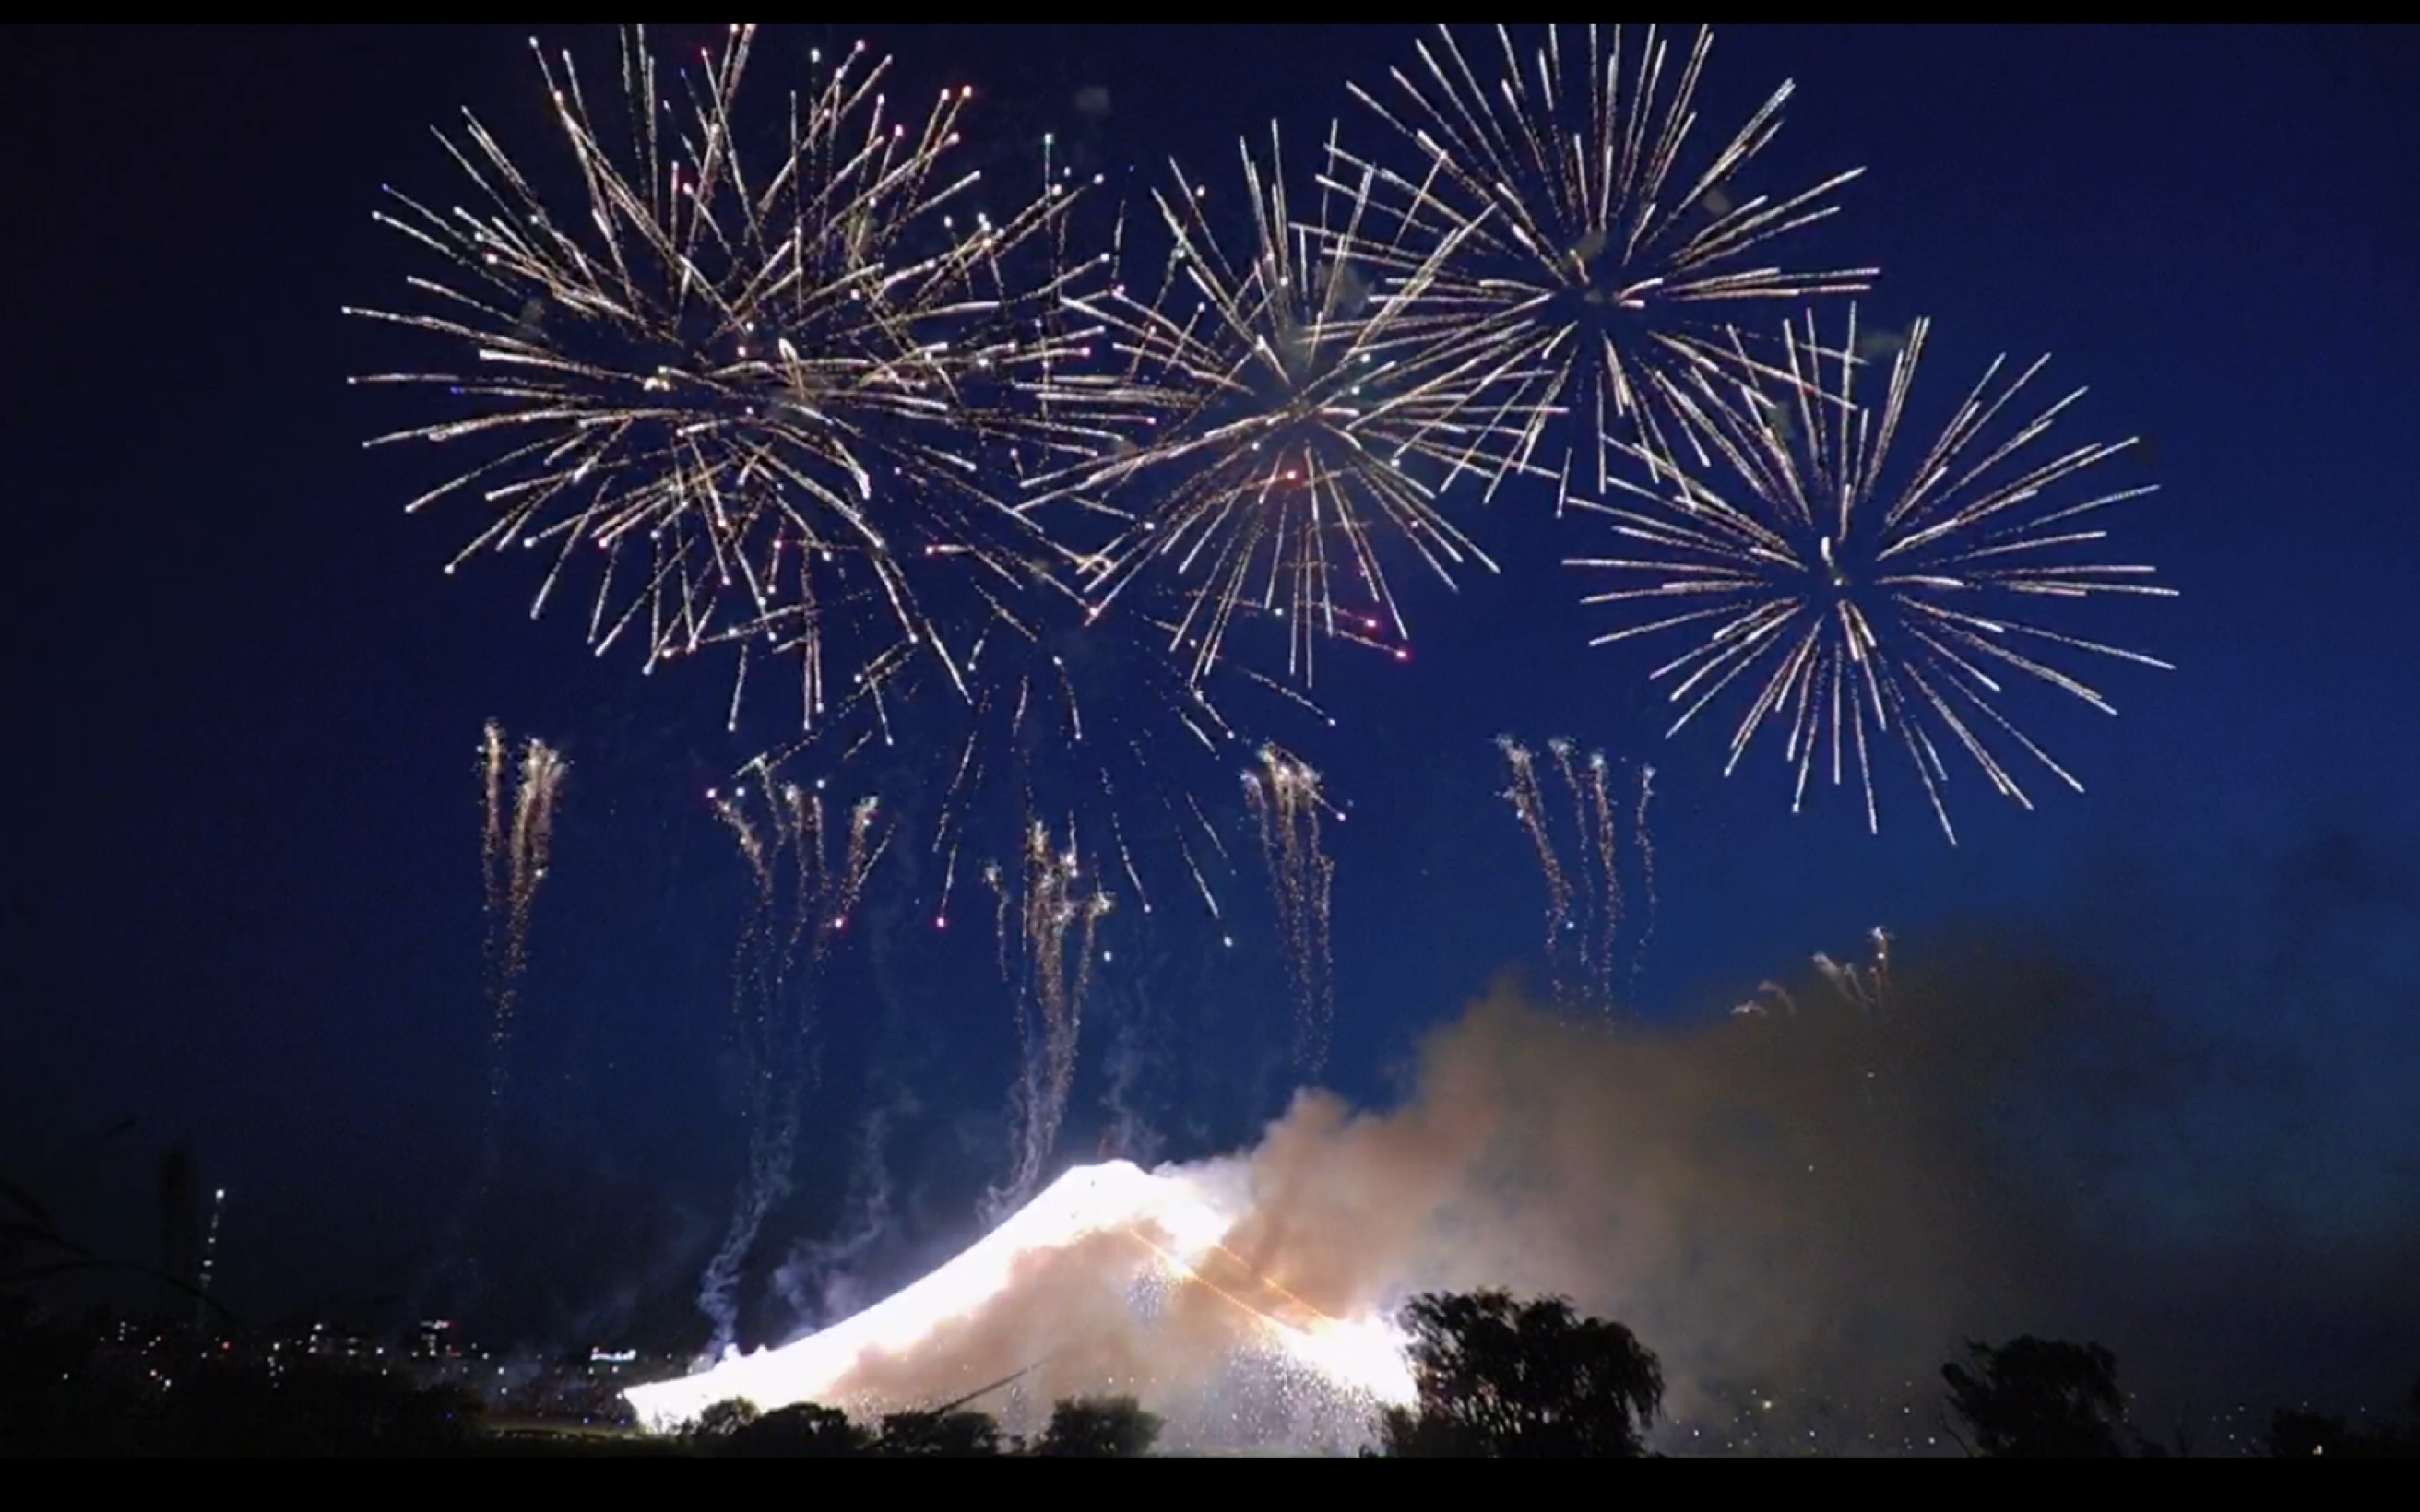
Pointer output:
1098, 1427
942, 1435
806, 1432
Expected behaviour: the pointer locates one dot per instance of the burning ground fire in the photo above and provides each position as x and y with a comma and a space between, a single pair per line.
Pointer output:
1114, 1278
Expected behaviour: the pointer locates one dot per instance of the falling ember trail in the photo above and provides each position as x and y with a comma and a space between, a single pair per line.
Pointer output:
1286, 799
1587, 903
514, 862
514, 842
804, 895
1646, 839
1529, 805
1056, 951
1867, 988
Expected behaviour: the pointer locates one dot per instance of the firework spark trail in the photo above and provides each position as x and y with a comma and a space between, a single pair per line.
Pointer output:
1031, 714
753, 1007
1529, 805
1591, 796
1646, 840
804, 896
1273, 423
495, 856
514, 846
1092, 722
1866, 987
542, 771
1598, 938
1587, 244
758, 364
513, 861
1586, 903
1863, 601
792, 844
1059, 910
1286, 799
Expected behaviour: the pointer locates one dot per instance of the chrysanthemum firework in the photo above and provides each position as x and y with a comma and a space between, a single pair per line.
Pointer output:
756, 359
1865, 596
1595, 247
1283, 433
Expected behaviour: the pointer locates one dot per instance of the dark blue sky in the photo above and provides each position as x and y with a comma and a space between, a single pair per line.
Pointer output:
243, 905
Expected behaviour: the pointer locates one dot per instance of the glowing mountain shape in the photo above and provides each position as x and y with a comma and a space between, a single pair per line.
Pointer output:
1173, 1217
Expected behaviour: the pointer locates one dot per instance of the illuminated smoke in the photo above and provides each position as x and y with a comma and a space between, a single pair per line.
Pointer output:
1768, 1197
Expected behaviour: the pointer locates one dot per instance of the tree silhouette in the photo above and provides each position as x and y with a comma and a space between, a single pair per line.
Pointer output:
1502, 1379
1098, 1427
942, 1435
2039, 1399
806, 1432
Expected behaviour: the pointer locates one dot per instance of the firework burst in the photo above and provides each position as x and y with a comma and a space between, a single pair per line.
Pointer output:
1275, 424
1584, 238
756, 362
1865, 600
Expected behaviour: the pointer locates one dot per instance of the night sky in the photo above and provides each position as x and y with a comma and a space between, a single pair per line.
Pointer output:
244, 907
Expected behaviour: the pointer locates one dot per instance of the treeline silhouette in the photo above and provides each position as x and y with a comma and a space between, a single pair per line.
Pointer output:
1095, 1427
2034, 1398
65, 1390
1495, 1378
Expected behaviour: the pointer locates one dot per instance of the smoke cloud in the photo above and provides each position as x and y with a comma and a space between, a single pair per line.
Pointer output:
1809, 1197
1810, 1202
